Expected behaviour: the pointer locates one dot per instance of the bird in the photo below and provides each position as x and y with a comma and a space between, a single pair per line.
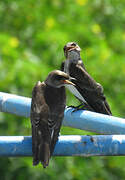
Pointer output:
86, 89
73, 56
47, 112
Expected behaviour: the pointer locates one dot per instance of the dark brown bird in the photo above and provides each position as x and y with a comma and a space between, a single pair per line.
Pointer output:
86, 89
47, 111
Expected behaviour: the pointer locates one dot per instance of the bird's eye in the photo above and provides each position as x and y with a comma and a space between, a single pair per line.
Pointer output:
73, 44
59, 77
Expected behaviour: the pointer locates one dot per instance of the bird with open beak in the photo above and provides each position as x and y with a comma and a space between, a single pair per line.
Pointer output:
47, 111
86, 89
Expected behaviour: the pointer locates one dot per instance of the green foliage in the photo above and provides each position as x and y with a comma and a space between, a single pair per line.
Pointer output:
32, 36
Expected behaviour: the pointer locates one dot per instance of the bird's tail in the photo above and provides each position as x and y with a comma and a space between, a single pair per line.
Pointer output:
35, 146
40, 147
44, 154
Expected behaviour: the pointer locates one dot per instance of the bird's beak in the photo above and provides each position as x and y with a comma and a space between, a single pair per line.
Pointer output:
68, 82
70, 48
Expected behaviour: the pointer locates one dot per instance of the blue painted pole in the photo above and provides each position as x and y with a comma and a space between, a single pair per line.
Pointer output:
98, 145
81, 119
14, 104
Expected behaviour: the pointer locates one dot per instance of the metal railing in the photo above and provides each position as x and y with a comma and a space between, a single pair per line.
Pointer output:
68, 145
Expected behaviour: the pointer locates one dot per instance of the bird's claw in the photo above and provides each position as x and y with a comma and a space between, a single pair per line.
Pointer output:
71, 106
76, 108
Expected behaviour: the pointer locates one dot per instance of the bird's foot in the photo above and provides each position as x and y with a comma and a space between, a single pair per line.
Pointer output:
76, 108
71, 106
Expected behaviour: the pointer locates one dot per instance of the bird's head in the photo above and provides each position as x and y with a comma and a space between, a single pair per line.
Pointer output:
71, 46
58, 79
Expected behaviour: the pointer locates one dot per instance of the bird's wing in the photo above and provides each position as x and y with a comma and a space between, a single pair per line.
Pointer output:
56, 121
89, 89
62, 66
41, 137
80, 63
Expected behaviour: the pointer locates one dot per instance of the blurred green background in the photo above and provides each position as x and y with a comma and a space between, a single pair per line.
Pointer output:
32, 36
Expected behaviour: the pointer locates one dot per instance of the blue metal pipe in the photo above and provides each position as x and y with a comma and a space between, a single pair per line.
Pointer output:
14, 104
98, 145
95, 122
81, 119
